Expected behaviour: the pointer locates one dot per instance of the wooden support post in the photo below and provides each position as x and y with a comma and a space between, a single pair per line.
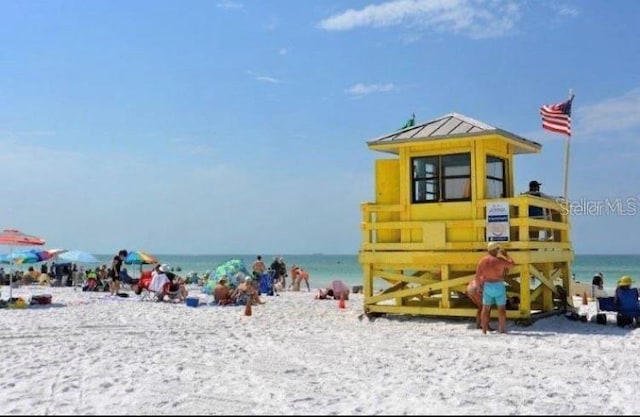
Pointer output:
525, 292
547, 293
368, 281
446, 291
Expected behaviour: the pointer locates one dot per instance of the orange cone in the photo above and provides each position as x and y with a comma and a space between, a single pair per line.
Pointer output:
247, 309
585, 299
342, 304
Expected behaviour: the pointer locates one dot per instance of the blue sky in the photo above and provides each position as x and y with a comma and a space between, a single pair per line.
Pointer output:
204, 127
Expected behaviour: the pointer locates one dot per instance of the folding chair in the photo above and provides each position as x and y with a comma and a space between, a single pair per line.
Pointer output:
625, 305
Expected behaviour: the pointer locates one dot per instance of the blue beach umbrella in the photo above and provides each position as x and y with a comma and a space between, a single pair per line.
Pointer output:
21, 257
78, 256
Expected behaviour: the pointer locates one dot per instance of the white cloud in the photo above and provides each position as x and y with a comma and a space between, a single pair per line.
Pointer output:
264, 78
564, 10
227, 4
361, 89
613, 114
268, 79
473, 18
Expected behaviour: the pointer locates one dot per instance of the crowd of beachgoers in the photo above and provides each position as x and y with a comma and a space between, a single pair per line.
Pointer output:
234, 284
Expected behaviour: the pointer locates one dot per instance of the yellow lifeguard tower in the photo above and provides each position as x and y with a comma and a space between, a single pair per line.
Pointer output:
450, 191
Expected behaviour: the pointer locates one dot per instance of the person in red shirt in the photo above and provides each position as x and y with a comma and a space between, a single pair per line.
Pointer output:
490, 273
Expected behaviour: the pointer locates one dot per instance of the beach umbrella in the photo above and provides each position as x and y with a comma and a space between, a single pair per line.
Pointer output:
51, 253
13, 237
230, 269
139, 258
30, 256
78, 256
20, 257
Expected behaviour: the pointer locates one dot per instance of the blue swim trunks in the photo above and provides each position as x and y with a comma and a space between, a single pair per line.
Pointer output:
494, 293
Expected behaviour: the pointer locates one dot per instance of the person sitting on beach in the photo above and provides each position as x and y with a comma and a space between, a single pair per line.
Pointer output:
44, 279
597, 283
92, 281
626, 302
158, 282
624, 284
177, 284
246, 293
30, 276
222, 294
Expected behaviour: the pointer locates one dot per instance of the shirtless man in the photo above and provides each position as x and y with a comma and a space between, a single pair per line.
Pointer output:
258, 267
490, 273
222, 293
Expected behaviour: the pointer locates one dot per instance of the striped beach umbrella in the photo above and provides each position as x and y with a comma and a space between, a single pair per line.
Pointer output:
139, 257
13, 237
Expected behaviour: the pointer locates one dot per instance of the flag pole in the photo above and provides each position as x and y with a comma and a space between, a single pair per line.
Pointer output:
566, 159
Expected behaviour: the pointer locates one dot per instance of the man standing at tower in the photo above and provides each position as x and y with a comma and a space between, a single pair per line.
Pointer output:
490, 273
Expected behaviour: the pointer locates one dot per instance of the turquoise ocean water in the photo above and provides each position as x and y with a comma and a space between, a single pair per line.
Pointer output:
324, 268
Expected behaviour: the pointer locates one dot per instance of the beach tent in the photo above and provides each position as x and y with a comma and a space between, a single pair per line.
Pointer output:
232, 269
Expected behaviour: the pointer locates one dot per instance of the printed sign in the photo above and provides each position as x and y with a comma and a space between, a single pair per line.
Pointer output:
497, 222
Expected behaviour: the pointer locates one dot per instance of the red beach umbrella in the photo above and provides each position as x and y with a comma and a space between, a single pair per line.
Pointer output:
13, 237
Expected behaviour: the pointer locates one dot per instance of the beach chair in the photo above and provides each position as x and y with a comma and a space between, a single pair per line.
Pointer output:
141, 288
626, 307
266, 283
627, 304
171, 294
159, 287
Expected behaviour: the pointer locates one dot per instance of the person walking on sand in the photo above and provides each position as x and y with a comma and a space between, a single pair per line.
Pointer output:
490, 273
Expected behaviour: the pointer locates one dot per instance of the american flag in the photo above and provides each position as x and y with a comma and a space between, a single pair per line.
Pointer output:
557, 117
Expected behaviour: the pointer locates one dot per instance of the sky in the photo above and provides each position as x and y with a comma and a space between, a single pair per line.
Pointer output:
241, 127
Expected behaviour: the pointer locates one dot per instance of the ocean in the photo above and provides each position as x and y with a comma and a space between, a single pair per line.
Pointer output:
324, 268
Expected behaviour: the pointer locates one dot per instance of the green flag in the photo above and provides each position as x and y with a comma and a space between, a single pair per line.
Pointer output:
410, 122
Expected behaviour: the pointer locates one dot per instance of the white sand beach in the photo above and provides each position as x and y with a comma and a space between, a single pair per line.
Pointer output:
88, 353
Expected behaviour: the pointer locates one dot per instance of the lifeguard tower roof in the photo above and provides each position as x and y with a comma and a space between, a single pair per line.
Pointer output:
450, 126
